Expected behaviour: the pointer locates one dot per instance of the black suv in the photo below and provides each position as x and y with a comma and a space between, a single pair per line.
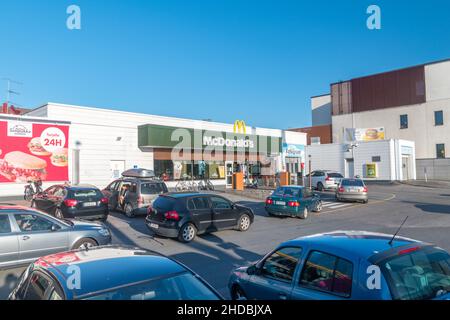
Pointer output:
134, 192
184, 215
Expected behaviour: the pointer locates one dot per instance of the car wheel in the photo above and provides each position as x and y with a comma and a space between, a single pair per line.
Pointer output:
244, 223
318, 206
59, 214
238, 294
85, 243
129, 210
320, 186
187, 233
304, 214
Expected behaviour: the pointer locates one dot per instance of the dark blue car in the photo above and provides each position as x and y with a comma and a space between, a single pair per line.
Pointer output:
346, 265
111, 273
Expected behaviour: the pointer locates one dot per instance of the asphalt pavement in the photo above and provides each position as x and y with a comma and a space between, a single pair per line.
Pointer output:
214, 256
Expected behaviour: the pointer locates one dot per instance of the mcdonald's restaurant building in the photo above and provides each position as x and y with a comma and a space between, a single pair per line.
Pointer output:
103, 143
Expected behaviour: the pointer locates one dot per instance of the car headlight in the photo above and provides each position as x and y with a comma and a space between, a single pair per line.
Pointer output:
104, 232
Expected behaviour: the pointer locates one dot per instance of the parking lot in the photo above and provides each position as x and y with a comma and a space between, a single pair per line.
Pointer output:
213, 256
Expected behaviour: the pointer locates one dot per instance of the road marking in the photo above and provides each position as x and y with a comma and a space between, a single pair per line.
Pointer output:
341, 205
392, 196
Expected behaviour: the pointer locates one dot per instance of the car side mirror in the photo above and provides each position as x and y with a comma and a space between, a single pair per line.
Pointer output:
55, 228
252, 270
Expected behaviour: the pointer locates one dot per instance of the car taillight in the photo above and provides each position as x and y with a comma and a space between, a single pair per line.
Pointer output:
341, 189
269, 201
70, 203
294, 204
140, 200
104, 200
365, 189
172, 215
408, 250
327, 178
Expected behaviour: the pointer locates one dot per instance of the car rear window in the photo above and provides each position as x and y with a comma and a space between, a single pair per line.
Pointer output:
164, 203
153, 188
84, 194
287, 192
335, 175
352, 183
418, 275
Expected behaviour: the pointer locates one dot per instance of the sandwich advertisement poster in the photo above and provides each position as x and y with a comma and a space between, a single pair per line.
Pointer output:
33, 151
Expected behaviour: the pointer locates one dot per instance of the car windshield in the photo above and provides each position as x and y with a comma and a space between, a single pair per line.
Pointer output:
352, 183
180, 287
152, 188
421, 274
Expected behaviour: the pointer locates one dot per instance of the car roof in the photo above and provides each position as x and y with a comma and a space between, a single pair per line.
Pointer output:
80, 187
104, 268
354, 243
12, 207
181, 195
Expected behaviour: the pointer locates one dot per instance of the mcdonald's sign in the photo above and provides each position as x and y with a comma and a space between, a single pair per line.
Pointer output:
240, 127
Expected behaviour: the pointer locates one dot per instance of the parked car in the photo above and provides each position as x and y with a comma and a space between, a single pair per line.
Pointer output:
352, 190
111, 273
66, 201
341, 265
324, 180
293, 201
27, 234
134, 192
184, 215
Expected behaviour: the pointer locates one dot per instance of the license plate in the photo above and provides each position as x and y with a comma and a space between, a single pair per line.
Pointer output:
154, 226
90, 204
280, 203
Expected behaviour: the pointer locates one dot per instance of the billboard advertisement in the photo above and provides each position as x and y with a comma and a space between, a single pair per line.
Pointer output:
33, 151
367, 134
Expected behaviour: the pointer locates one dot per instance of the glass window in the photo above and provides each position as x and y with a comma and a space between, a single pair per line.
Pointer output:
352, 183
438, 118
55, 296
50, 191
307, 193
327, 273
85, 193
281, 264
59, 192
199, 203
33, 223
181, 287
220, 203
335, 175
422, 274
292, 192
404, 121
153, 188
5, 226
440, 151
164, 169
37, 287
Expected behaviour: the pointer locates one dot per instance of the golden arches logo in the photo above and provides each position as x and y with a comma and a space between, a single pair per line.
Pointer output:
240, 127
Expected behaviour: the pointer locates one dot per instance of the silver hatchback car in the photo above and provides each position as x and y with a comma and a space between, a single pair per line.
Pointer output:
352, 190
27, 234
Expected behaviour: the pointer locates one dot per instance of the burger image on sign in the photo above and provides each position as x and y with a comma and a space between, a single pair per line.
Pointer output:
372, 134
59, 158
36, 147
21, 167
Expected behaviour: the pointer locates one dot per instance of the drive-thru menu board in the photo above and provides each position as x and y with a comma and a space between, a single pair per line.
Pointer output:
33, 151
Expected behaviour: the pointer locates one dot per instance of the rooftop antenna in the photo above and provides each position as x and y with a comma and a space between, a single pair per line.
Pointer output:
9, 91
398, 230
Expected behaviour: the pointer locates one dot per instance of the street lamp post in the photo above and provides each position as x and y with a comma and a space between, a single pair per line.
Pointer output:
309, 176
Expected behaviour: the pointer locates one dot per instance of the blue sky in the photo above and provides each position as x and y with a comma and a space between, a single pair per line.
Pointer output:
255, 60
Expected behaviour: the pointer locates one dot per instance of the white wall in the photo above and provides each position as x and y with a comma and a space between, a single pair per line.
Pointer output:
332, 157
321, 110
437, 79
421, 128
325, 157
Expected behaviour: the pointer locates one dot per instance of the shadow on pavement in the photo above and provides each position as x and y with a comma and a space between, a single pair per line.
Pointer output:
8, 281
431, 207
